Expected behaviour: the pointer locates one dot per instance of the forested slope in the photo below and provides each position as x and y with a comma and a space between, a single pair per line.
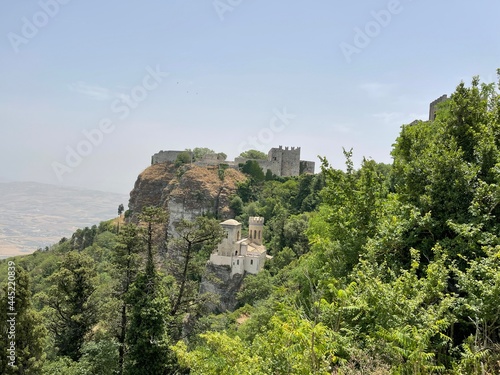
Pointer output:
376, 269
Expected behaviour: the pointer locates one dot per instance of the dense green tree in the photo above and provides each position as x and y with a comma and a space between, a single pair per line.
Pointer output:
185, 157
153, 219
480, 289
255, 287
147, 336
439, 165
282, 259
253, 169
72, 308
236, 205
269, 175
200, 152
99, 357
352, 202
212, 357
127, 260
308, 197
21, 326
253, 154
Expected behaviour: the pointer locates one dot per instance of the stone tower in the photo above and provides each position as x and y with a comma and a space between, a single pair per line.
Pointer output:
233, 235
255, 226
434, 106
287, 161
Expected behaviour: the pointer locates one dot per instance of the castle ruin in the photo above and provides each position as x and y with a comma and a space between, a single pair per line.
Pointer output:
282, 162
165, 156
433, 107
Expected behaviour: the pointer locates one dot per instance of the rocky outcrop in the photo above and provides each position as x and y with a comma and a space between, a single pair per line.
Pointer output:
149, 186
185, 192
218, 281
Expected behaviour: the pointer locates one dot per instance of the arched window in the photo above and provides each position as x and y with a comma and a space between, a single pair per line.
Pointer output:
238, 236
254, 234
259, 234
236, 252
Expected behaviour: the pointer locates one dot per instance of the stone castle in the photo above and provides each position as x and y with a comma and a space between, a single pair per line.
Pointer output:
241, 254
434, 106
282, 162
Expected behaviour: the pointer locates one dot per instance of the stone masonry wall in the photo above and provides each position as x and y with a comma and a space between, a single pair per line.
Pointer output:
165, 156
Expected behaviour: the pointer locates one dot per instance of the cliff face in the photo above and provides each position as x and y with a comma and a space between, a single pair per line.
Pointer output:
186, 192
218, 281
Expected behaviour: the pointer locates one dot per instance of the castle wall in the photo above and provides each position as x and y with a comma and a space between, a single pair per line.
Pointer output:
219, 260
210, 159
306, 167
273, 166
165, 156
282, 162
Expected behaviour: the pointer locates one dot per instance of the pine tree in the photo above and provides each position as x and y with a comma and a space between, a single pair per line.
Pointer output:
73, 310
147, 339
126, 260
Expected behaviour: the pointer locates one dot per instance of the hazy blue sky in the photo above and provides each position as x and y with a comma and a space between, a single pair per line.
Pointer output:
291, 73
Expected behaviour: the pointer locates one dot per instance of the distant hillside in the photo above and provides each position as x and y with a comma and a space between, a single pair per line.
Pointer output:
34, 215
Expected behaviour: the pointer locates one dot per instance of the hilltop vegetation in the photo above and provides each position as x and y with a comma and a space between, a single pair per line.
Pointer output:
381, 269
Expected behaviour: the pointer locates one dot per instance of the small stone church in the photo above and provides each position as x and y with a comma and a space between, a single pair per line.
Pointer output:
241, 254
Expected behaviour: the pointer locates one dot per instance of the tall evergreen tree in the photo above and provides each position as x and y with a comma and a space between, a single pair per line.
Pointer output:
127, 260
73, 310
28, 333
147, 339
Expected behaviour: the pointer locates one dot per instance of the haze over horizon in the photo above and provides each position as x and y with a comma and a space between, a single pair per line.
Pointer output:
106, 85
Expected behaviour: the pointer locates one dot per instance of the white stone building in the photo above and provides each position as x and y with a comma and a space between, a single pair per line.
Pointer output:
241, 254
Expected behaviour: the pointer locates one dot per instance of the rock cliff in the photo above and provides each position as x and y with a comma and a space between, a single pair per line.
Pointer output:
186, 192
218, 281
